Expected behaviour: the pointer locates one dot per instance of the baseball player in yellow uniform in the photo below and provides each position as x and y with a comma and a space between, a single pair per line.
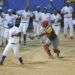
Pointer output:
52, 37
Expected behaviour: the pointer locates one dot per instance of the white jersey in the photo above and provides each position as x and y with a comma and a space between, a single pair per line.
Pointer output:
45, 17
67, 11
12, 31
55, 19
25, 16
8, 19
37, 16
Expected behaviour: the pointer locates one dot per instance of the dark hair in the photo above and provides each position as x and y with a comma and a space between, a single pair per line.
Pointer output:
18, 20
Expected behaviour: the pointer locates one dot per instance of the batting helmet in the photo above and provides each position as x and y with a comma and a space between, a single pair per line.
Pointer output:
45, 24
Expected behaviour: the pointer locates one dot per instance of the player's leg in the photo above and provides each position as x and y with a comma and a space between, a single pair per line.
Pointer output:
58, 30
71, 29
16, 50
5, 53
25, 31
46, 44
38, 28
2, 38
35, 28
47, 50
55, 43
21, 37
6, 32
65, 28
24, 37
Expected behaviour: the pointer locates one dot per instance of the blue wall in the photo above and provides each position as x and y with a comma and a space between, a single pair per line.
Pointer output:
14, 4
21, 4
46, 3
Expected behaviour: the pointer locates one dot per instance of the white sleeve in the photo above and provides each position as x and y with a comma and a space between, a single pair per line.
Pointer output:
72, 9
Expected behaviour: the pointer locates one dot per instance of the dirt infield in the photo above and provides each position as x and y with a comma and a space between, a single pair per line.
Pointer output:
37, 63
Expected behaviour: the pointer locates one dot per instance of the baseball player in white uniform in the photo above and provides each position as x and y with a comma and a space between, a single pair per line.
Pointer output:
24, 23
67, 13
45, 15
13, 44
36, 20
56, 22
8, 19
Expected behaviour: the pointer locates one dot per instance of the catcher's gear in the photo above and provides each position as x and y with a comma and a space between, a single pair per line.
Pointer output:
48, 31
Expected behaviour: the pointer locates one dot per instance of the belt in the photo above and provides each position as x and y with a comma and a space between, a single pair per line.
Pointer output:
36, 21
67, 17
56, 25
24, 22
13, 43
